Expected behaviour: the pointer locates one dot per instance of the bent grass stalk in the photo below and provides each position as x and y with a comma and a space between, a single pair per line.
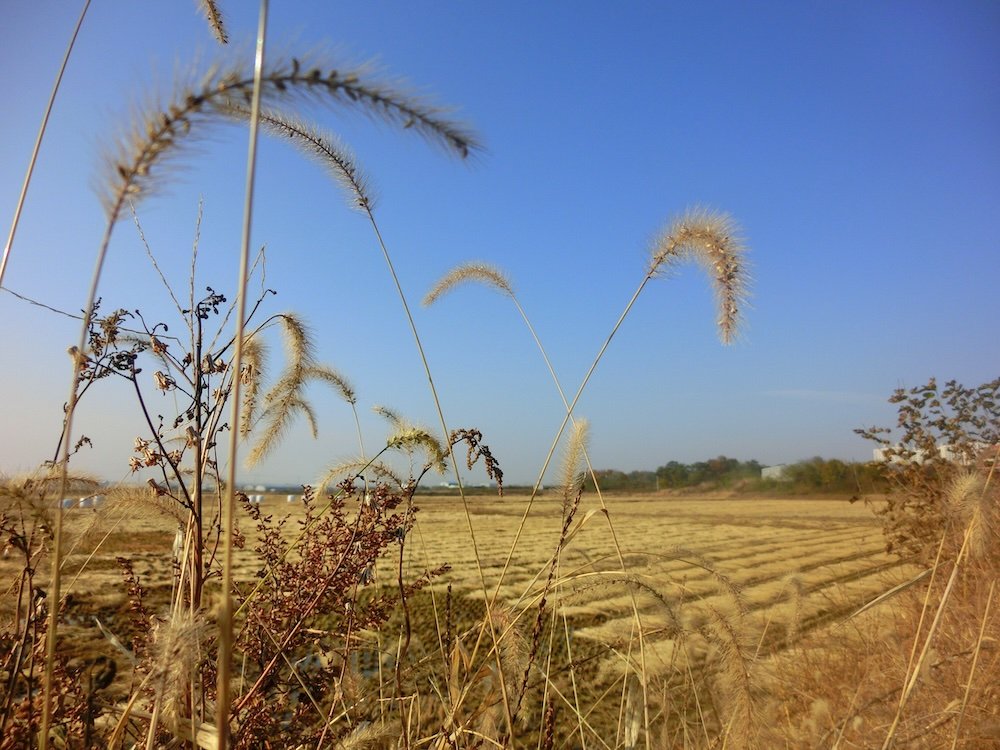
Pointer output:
155, 140
323, 148
932, 630
452, 458
707, 237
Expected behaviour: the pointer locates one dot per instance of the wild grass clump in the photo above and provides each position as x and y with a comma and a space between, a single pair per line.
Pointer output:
917, 668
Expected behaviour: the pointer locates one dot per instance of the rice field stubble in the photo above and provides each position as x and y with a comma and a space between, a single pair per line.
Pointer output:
775, 569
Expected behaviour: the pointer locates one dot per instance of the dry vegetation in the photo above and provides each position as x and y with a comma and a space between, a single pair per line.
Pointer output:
179, 613
745, 605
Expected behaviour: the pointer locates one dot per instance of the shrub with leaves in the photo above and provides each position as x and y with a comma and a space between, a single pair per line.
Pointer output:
941, 432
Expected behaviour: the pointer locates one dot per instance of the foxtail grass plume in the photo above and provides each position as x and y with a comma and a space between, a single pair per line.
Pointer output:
360, 467
390, 415
254, 365
712, 239
160, 132
513, 646
482, 273
335, 380
973, 505
322, 147
408, 437
571, 476
285, 399
210, 9
735, 677
177, 645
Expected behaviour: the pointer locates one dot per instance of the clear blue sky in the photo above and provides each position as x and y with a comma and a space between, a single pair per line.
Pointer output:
858, 145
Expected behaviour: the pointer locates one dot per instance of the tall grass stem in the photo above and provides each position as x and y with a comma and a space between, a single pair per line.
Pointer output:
38, 142
451, 456
223, 688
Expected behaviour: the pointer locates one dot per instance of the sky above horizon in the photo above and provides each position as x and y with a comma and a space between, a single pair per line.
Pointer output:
856, 144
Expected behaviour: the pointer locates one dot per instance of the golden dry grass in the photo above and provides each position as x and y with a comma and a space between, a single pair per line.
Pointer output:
782, 575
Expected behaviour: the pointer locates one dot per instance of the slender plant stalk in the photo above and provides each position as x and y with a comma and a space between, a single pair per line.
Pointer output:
975, 662
223, 687
50, 648
494, 278
38, 142
451, 456
63, 468
931, 631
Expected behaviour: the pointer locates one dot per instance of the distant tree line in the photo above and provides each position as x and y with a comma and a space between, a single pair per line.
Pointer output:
723, 473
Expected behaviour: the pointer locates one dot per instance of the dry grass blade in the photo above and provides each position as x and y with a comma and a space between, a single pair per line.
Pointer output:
897, 589
482, 273
712, 239
213, 15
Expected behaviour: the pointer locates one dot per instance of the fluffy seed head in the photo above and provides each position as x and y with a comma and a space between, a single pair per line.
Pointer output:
973, 504
482, 273
210, 9
162, 130
571, 476
711, 238
333, 378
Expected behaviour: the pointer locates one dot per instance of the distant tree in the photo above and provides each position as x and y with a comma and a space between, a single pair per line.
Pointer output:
673, 475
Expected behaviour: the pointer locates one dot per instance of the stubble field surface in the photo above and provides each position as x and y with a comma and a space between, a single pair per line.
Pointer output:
784, 566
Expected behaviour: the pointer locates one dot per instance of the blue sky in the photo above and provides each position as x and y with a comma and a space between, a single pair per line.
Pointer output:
855, 143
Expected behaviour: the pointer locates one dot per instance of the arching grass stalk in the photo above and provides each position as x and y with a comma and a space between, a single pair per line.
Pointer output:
159, 134
225, 655
451, 457
341, 165
493, 277
50, 646
38, 142
712, 240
